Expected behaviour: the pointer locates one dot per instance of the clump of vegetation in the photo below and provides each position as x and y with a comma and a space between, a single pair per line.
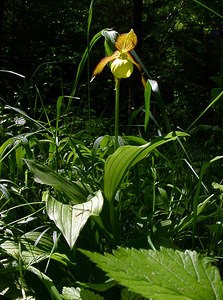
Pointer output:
76, 189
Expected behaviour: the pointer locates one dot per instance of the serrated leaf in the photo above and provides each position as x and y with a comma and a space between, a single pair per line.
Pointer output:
89, 295
70, 293
70, 219
167, 274
127, 295
45, 175
118, 164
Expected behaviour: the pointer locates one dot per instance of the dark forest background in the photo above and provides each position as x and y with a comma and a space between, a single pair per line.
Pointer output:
180, 43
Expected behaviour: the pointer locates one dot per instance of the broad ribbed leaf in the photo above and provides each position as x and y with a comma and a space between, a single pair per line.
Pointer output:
70, 219
165, 274
118, 164
38, 247
45, 175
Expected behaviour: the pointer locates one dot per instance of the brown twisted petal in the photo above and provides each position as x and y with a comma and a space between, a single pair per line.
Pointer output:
100, 66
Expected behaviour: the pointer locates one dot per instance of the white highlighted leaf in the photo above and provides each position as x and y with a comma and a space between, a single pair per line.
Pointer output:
70, 219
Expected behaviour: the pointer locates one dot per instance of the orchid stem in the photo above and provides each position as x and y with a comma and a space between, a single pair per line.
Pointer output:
117, 92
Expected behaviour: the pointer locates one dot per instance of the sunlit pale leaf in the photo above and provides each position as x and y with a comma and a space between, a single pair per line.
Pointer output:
70, 219
167, 274
11, 248
28, 250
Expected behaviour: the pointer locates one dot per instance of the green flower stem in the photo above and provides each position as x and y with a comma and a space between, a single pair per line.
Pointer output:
117, 92
112, 219
111, 203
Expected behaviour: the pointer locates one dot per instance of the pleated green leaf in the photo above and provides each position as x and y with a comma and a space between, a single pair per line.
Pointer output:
118, 164
44, 175
70, 219
166, 274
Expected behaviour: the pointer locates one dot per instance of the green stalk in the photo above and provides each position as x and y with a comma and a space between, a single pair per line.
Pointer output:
117, 92
196, 202
205, 110
88, 64
208, 8
111, 203
112, 219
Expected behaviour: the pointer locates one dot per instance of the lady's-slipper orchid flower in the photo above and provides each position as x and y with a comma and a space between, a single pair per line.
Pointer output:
121, 60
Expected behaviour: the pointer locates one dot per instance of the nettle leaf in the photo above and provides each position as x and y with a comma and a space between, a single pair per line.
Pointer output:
44, 175
70, 293
89, 295
166, 274
127, 295
118, 164
70, 219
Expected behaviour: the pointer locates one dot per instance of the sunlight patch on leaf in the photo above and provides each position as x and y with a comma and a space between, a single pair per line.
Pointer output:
70, 219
